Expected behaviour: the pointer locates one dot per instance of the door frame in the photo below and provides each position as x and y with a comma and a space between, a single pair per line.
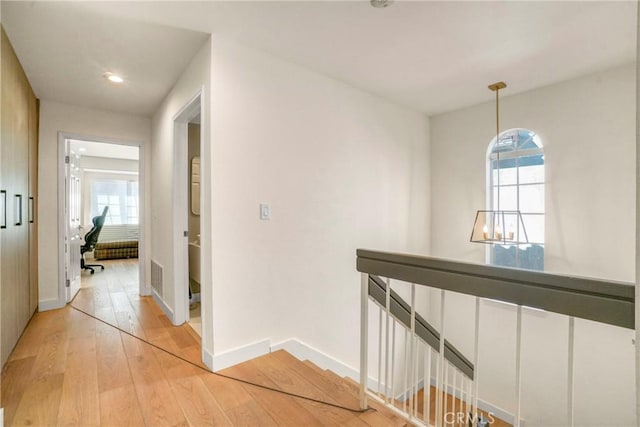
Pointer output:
142, 206
191, 109
71, 273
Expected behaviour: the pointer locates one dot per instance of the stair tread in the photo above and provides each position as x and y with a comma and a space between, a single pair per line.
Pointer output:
281, 370
332, 387
261, 371
313, 366
389, 417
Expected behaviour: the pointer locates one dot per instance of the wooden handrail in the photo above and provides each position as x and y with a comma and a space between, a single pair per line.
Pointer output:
593, 299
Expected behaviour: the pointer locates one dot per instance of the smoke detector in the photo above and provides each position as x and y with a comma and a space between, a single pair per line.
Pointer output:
380, 3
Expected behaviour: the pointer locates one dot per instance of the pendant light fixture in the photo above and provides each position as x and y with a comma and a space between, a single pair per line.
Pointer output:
498, 226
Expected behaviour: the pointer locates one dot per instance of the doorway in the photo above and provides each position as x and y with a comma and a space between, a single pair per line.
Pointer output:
188, 207
194, 232
102, 214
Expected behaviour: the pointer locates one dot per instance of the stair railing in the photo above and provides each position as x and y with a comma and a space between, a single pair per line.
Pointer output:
424, 352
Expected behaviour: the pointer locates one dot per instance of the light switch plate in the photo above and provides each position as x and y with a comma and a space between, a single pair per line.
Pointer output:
265, 212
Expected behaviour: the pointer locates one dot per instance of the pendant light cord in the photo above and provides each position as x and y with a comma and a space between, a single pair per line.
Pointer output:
498, 145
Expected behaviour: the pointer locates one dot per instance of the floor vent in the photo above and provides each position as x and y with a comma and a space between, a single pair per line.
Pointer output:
156, 278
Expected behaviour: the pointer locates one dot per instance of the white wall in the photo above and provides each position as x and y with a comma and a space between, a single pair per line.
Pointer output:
54, 118
340, 168
587, 126
194, 78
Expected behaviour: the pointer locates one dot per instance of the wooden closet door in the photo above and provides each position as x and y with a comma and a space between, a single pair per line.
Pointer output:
20, 198
9, 322
34, 119
14, 239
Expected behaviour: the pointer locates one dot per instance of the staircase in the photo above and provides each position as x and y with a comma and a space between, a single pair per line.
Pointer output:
281, 371
402, 356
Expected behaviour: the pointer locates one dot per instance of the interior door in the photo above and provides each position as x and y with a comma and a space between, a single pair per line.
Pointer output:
73, 239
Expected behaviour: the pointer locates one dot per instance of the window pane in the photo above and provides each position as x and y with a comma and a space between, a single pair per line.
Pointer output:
534, 225
120, 195
507, 176
531, 174
506, 142
531, 168
508, 198
524, 256
528, 140
532, 198
521, 187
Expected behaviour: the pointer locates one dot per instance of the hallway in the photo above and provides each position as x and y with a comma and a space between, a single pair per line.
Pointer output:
69, 368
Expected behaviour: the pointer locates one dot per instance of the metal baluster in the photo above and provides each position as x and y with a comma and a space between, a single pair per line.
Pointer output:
470, 407
464, 397
518, 367
426, 405
364, 319
387, 398
393, 363
379, 349
415, 378
417, 408
446, 390
476, 359
571, 371
454, 395
414, 349
439, 381
406, 367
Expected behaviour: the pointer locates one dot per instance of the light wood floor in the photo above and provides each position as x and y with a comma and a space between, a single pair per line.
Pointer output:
71, 369
112, 295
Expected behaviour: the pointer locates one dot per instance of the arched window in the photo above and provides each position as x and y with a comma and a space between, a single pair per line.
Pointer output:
521, 187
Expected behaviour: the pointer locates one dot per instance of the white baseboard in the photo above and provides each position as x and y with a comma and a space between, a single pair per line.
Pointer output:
303, 351
207, 358
238, 355
146, 291
165, 308
499, 412
295, 347
51, 304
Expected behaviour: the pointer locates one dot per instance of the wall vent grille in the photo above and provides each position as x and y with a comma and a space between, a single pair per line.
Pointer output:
156, 278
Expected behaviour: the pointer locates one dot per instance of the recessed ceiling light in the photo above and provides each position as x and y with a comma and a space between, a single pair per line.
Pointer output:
113, 77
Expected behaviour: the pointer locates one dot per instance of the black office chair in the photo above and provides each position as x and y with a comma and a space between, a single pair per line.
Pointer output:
91, 239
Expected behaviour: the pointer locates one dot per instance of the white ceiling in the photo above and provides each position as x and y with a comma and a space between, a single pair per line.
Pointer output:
65, 50
433, 56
